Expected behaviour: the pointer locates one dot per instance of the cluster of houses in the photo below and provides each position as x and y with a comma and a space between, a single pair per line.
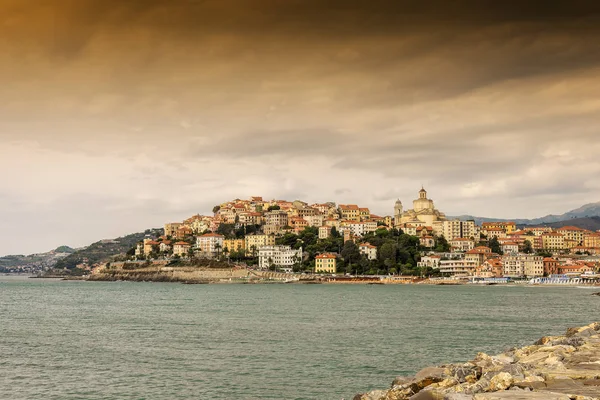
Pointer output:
197, 236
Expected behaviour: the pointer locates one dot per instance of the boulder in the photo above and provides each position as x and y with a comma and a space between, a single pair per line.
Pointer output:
501, 381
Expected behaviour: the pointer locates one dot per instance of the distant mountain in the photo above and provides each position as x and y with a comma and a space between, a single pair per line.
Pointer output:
33, 263
589, 223
104, 249
568, 218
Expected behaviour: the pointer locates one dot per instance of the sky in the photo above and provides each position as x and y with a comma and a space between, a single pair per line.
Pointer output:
117, 116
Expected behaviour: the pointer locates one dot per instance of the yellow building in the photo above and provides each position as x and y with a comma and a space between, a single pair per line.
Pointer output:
325, 263
256, 241
553, 241
506, 227
364, 214
171, 229
234, 245
350, 212
592, 240
573, 233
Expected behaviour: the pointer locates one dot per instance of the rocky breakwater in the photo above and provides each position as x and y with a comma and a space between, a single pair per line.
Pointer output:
553, 368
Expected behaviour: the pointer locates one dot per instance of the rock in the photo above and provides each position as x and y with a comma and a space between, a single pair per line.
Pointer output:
427, 395
531, 382
402, 380
502, 381
431, 372
458, 396
554, 368
521, 396
373, 395
503, 359
534, 358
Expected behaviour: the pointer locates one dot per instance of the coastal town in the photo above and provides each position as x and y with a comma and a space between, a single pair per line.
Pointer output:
347, 239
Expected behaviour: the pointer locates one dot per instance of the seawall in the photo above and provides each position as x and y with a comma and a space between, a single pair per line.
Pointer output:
553, 368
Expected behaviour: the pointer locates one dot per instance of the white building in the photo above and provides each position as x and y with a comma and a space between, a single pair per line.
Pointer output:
368, 250
510, 248
458, 229
283, 257
523, 265
461, 244
210, 243
324, 232
458, 267
430, 261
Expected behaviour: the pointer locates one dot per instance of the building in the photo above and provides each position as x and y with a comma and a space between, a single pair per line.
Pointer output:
553, 241
460, 244
256, 241
181, 249
573, 233
210, 244
592, 240
521, 265
350, 212
429, 261
276, 218
234, 245
456, 228
171, 229
510, 248
458, 267
550, 266
279, 257
478, 255
325, 263
506, 227
427, 241
150, 246
492, 267
368, 250
423, 211
164, 246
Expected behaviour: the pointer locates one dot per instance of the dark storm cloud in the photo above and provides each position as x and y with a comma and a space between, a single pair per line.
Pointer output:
179, 104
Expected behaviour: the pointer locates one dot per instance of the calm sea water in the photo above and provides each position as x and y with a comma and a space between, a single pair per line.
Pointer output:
90, 340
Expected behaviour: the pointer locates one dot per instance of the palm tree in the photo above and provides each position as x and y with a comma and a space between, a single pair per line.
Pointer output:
218, 249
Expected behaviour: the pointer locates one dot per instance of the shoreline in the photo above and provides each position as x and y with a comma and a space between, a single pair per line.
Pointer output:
563, 367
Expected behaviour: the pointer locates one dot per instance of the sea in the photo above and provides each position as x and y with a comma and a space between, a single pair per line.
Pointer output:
126, 340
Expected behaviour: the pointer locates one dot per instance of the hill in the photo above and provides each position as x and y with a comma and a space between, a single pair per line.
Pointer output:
589, 223
577, 216
103, 250
32, 263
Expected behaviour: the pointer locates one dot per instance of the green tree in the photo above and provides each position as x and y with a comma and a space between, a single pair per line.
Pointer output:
527, 247
216, 209
350, 253
495, 246
442, 245
274, 208
387, 255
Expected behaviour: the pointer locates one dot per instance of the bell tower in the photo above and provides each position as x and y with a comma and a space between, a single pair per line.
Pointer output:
398, 210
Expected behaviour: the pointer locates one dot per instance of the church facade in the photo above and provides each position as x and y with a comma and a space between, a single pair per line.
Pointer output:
423, 213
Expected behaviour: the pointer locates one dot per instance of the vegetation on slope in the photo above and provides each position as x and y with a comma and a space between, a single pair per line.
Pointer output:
104, 250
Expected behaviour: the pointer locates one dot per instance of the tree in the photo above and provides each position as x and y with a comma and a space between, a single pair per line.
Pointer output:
216, 209
218, 249
334, 232
495, 245
387, 255
442, 245
527, 247
350, 252
274, 208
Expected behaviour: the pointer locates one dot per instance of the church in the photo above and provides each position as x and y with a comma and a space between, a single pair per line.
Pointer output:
423, 213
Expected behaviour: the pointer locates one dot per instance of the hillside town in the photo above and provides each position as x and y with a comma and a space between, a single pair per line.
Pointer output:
294, 236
